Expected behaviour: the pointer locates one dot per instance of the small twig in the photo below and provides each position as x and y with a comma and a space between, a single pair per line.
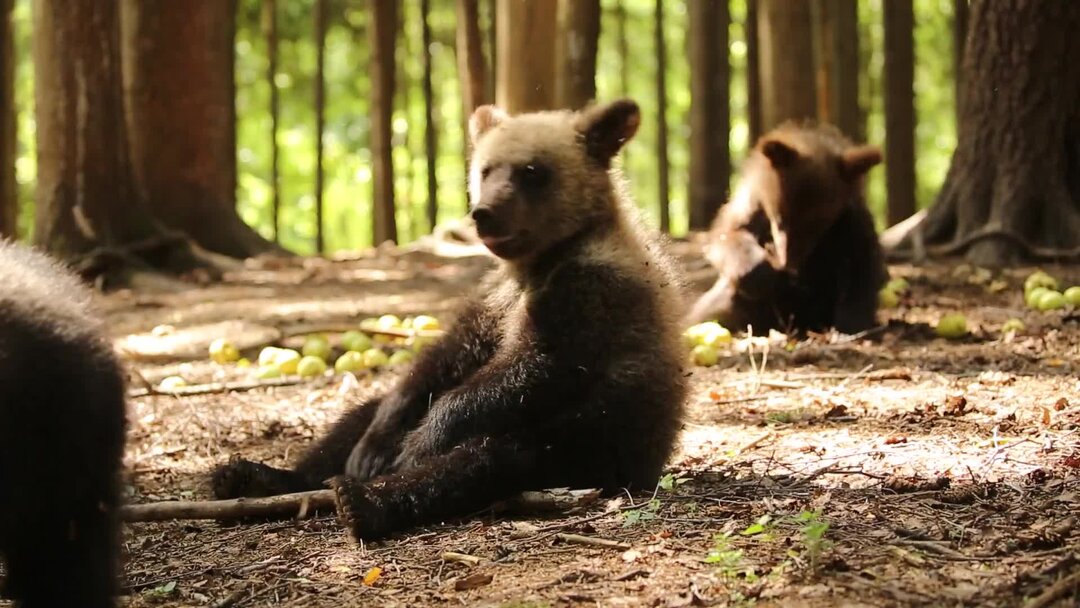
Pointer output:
460, 558
856, 375
218, 387
1056, 591
578, 539
753, 443
933, 546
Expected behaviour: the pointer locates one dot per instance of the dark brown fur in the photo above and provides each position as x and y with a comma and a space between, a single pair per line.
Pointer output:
62, 430
796, 247
563, 370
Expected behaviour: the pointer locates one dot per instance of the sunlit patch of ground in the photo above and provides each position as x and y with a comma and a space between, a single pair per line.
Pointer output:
898, 469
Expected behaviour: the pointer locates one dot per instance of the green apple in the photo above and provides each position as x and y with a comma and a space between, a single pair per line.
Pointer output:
222, 351
311, 365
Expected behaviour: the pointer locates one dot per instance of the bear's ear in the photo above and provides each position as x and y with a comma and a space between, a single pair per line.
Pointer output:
608, 127
779, 153
483, 119
856, 161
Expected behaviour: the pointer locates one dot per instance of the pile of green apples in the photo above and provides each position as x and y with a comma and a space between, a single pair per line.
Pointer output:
363, 350
1041, 293
704, 341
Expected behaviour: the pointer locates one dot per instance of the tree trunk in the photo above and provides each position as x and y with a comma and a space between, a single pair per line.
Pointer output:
960, 29
786, 61
181, 119
1013, 189
430, 127
836, 39
270, 25
9, 193
382, 31
661, 119
526, 33
320, 121
753, 71
710, 112
87, 208
579, 35
472, 68
899, 110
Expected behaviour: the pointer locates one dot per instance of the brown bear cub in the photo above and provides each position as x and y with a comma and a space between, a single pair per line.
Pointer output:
565, 369
62, 425
796, 247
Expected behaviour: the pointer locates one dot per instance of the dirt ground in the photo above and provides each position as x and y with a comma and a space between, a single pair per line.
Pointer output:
893, 469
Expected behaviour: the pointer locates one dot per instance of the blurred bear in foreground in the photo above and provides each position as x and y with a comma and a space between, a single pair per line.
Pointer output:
62, 425
796, 247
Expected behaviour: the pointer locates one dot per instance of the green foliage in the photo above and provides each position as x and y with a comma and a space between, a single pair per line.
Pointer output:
347, 160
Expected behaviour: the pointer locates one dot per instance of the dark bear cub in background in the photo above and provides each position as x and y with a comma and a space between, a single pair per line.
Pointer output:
62, 425
563, 370
795, 246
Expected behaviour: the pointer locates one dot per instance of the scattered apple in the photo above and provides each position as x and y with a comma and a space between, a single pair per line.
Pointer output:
267, 372
268, 355
422, 322
1031, 298
351, 361
311, 365
316, 345
898, 285
389, 322
374, 357
287, 360
355, 340
704, 356
1013, 325
1051, 300
222, 351
953, 325
400, 357
1040, 278
888, 298
1072, 295
172, 383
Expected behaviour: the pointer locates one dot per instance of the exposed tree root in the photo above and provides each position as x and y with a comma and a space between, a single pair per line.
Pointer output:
912, 248
111, 266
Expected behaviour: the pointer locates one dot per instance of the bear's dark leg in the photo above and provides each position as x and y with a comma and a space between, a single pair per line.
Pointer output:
465, 480
322, 461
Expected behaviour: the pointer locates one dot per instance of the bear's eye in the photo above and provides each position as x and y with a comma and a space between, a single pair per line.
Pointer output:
485, 171
534, 176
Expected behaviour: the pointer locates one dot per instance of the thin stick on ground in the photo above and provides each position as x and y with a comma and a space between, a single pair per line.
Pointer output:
300, 505
578, 539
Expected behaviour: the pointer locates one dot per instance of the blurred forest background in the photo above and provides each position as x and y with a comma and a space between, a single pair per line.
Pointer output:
295, 35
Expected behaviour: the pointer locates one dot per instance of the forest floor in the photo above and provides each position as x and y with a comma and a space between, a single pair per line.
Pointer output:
897, 469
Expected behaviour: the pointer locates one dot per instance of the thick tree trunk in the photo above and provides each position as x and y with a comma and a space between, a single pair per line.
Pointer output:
960, 30
320, 121
270, 26
472, 68
526, 33
753, 71
899, 110
785, 42
579, 34
1013, 189
661, 119
178, 80
431, 149
836, 38
710, 111
9, 198
382, 32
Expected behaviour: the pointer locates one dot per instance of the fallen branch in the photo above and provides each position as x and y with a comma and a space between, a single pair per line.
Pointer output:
217, 387
302, 504
1056, 591
460, 558
578, 539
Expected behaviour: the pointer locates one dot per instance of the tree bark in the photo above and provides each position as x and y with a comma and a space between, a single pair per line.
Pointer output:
753, 71
960, 29
472, 68
179, 92
836, 38
87, 208
430, 127
710, 111
9, 193
320, 121
579, 35
1012, 192
786, 61
270, 25
382, 32
661, 120
526, 33
899, 110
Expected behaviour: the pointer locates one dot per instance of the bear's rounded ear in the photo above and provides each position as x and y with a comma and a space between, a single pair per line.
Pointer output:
608, 127
856, 161
779, 153
483, 119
